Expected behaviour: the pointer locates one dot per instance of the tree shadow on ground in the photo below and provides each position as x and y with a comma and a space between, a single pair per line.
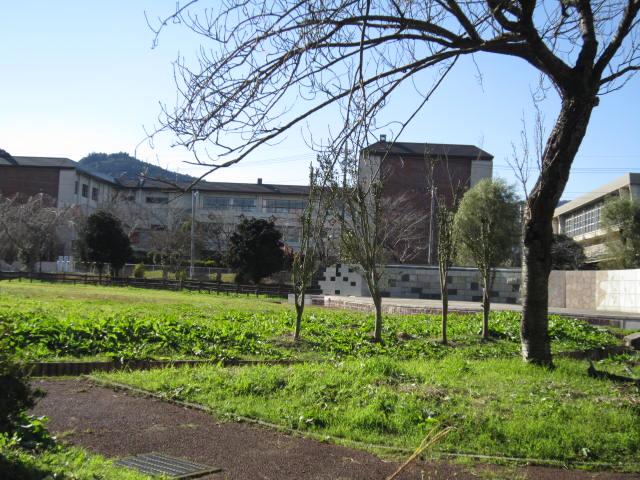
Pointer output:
16, 469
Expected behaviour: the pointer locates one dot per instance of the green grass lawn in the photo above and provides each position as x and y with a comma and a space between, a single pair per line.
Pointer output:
498, 406
386, 394
51, 321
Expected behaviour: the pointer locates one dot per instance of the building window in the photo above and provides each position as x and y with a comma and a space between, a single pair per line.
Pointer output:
76, 187
158, 200
94, 194
85, 190
244, 204
274, 205
290, 234
583, 221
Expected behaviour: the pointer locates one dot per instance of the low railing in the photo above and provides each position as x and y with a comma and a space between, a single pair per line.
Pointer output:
280, 290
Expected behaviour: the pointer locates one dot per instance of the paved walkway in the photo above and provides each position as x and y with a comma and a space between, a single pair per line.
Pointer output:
412, 305
116, 424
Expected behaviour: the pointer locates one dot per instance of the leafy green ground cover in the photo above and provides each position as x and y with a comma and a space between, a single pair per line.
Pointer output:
498, 406
63, 321
60, 463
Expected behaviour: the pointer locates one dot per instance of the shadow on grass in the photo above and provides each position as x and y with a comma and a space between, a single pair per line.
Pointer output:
16, 469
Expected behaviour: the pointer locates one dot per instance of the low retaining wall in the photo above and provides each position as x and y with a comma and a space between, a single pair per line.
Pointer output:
595, 290
410, 281
58, 369
600, 290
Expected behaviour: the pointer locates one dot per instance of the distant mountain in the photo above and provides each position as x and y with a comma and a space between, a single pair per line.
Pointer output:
123, 165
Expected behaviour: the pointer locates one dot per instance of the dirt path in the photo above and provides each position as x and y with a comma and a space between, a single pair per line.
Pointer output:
116, 424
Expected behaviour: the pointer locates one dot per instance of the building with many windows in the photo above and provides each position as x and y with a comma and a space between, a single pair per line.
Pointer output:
422, 171
580, 218
149, 206
219, 206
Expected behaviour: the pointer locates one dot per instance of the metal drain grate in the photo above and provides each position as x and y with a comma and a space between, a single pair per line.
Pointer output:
160, 464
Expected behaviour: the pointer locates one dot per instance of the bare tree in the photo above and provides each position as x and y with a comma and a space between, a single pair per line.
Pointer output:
261, 60
446, 255
170, 238
525, 163
216, 232
306, 260
442, 209
133, 215
30, 227
374, 227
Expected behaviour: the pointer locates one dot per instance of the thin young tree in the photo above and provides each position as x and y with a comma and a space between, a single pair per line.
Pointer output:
306, 260
257, 63
487, 226
371, 229
446, 254
169, 237
442, 225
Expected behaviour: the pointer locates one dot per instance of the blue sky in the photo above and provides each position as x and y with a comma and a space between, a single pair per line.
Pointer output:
81, 76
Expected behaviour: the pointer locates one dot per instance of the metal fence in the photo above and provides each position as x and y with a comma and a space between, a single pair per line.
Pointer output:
279, 291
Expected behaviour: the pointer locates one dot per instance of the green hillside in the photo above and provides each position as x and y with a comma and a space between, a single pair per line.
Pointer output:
123, 165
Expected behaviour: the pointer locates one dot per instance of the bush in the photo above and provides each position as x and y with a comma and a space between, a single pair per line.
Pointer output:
16, 395
138, 271
255, 250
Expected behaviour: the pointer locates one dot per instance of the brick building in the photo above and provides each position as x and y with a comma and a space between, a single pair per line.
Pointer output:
426, 173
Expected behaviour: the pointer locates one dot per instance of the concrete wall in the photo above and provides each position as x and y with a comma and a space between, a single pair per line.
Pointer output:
598, 290
409, 281
480, 169
618, 290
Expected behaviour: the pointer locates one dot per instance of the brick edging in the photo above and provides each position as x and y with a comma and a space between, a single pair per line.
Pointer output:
57, 369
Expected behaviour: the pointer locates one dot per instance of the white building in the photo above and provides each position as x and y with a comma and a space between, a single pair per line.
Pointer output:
580, 218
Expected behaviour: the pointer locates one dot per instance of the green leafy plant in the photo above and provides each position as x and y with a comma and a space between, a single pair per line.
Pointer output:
139, 271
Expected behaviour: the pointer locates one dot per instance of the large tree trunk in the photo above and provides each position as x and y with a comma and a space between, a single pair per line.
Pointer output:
560, 150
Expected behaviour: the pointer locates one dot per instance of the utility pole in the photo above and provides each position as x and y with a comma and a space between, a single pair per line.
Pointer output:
194, 202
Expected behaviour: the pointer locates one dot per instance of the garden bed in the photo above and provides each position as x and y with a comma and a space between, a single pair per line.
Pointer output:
61, 323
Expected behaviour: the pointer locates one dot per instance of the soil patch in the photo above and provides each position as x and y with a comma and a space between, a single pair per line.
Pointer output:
116, 424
